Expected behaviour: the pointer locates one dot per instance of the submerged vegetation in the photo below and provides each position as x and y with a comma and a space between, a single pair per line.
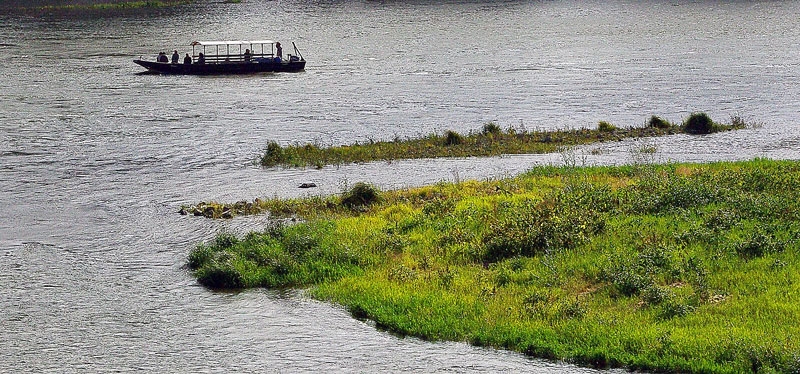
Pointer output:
490, 141
676, 267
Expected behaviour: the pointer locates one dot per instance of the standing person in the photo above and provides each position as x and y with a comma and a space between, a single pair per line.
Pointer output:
278, 50
175, 57
187, 60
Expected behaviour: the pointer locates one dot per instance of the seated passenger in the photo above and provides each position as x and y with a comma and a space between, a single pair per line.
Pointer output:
201, 58
247, 55
187, 60
162, 57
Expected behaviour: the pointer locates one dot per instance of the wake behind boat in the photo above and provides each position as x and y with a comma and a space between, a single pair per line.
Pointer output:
228, 57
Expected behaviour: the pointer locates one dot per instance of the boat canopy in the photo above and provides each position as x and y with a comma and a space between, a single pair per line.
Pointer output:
232, 42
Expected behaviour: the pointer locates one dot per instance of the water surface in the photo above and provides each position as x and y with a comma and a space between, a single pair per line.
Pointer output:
95, 159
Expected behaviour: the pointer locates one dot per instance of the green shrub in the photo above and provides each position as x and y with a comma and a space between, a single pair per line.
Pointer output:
273, 155
490, 128
452, 138
658, 122
629, 280
225, 240
200, 256
361, 195
698, 123
533, 229
672, 309
759, 243
219, 276
604, 126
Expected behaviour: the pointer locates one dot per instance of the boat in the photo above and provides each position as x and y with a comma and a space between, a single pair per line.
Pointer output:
229, 57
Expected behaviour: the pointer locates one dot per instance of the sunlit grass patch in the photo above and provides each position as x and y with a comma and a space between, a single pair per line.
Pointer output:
675, 267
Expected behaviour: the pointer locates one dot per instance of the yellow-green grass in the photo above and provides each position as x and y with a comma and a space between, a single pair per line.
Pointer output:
111, 6
490, 141
677, 267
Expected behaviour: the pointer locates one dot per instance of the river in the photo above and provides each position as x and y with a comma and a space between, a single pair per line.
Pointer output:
96, 160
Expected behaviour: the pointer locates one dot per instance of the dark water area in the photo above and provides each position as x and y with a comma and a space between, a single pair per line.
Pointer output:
96, 159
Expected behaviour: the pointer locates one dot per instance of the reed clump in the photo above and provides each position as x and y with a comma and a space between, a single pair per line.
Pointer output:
676, 267
491, 140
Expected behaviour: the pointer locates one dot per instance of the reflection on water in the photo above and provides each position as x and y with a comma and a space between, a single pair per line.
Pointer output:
95, 159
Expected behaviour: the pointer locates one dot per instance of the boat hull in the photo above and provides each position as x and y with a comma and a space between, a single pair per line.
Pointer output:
259, 66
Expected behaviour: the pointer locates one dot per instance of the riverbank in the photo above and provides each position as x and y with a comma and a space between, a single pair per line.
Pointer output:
678, 267
491, 140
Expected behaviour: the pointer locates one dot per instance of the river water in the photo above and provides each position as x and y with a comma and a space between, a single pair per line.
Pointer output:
96, 160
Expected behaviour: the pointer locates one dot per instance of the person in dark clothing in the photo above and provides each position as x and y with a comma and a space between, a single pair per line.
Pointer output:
201, 58
162, 57
247, 55
187, 60
278, 50
175, 57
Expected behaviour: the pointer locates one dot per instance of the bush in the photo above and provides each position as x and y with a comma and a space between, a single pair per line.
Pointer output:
361, 195
220, 276
535, 228
490, 128
658, 122
453, 138
605, 126
273, 155
758, 244
698, 123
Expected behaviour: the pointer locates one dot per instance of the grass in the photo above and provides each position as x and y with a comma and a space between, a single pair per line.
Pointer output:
490, 141
112, 6
676, 267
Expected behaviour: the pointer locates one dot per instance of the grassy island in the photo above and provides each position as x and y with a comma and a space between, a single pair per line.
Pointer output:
101, 5
490, 141
676, 267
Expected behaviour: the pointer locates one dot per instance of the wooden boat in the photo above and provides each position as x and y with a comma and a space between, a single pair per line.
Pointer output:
230, 57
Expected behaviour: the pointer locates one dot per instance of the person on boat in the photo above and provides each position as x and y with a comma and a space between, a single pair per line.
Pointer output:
175, 57
247, 55
201, 58
278, 50
162, 57
187, 60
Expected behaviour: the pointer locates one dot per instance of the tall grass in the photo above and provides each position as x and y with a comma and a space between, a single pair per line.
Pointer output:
676, 267
112, 6
490, 141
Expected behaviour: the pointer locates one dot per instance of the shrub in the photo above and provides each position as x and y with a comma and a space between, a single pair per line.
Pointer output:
605, 126
698, 123
758, 244
533, 229
225, 240
658, 122
490, 128
199, 256
219, 276
673, 308
628, 280
453, 138
273, 155
361, 195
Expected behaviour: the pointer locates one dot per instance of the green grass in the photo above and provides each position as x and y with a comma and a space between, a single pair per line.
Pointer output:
490, 141
112, 6
677, 267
